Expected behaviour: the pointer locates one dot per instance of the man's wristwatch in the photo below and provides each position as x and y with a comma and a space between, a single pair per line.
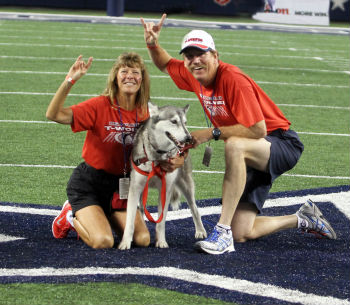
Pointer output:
216, 133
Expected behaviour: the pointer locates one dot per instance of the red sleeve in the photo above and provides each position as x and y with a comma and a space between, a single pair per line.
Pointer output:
84, 115
180, 75
247, 109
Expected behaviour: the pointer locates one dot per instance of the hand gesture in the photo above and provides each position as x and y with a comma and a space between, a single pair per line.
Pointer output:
79, 68
152, 31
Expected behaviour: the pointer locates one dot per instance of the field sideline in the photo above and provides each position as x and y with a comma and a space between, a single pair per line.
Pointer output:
306, 74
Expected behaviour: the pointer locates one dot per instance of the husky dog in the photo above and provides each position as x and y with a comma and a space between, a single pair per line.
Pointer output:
161, 137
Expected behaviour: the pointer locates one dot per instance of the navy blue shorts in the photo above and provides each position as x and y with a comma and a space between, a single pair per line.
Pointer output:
89, 186
286, 149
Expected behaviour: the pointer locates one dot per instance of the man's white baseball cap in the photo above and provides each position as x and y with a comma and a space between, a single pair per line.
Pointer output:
198, 39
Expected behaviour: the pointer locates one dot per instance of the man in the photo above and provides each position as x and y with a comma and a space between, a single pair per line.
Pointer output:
259, 146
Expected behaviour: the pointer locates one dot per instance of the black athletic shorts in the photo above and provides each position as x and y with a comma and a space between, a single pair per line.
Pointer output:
89, 186
286, 149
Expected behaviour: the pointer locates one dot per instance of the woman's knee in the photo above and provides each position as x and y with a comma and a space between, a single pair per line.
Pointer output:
101, 241
142, 239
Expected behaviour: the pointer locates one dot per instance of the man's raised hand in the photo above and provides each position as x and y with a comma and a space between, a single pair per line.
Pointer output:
152, 30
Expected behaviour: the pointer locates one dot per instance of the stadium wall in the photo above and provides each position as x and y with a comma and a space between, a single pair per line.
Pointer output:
339, 10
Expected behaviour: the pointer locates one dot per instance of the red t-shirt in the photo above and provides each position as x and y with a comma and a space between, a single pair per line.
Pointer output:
234, 99
103, 146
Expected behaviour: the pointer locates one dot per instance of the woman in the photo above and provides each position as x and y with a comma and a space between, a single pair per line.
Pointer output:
94, 207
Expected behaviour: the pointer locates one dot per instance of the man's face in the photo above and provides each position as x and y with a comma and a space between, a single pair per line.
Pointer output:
202, 65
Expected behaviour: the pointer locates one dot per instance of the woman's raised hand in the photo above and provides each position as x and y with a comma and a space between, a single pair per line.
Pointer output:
79, 68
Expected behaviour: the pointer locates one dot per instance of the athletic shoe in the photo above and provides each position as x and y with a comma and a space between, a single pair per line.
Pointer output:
313, 221
218, 242
61, 226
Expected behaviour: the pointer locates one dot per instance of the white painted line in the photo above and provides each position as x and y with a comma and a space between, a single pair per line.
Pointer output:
341, 200
37, 165
144, 49
303, 85
65, 73
6, 238
166, 98
194, 171
41, 58
28, 210
223, 282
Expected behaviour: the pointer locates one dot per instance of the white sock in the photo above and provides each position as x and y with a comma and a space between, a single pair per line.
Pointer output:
69, 218
302, 223
226, 227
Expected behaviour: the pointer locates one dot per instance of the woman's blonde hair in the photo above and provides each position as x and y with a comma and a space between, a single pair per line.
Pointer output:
132, 60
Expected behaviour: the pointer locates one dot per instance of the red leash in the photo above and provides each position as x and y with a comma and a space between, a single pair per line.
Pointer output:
156, 171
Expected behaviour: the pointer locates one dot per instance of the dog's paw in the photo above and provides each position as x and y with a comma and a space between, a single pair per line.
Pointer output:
162, 244
200, 234
124, 245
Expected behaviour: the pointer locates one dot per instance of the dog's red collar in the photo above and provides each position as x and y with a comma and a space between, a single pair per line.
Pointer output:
145, 159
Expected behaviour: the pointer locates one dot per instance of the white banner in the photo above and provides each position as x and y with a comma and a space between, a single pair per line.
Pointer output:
306, 12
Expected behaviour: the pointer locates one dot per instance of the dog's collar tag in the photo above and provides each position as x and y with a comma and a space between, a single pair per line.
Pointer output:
124, 184
207, 155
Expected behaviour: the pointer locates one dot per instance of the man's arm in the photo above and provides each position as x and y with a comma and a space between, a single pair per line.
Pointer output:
159, 56
256, 131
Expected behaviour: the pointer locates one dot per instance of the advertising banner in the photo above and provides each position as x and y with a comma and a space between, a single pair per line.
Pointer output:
305, 12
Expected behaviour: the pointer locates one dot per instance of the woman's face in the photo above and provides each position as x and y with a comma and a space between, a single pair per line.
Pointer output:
129, 80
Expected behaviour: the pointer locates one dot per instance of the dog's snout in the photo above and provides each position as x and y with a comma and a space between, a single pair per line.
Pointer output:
188, 139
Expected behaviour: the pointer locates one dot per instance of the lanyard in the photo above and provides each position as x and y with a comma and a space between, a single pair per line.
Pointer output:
123, 137
211, 108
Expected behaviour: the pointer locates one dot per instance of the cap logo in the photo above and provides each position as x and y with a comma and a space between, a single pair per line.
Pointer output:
222, 2
194, 39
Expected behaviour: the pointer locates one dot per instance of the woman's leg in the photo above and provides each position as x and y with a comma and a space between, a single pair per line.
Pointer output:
141, 236
93, 227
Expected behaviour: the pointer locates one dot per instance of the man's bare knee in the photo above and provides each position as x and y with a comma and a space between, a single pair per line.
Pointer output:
234, 145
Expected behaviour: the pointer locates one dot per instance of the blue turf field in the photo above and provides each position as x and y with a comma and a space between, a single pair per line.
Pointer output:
285, 268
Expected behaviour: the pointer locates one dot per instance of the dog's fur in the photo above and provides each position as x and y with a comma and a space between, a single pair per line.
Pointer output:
161, 138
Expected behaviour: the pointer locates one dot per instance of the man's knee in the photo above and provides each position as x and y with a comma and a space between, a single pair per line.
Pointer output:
234, 145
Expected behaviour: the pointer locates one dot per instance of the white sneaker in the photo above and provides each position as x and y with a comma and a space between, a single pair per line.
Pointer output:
313, 221
218, 242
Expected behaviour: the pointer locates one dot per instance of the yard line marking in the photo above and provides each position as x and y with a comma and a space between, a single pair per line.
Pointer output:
6, 238
303, 85
233, 44
337, 199
223, 282
65, 73
194, 127
194, 171
55, 58
158, 98
167, 76
149, 61
49, 45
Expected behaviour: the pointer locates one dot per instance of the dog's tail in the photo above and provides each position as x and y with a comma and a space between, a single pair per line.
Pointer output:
175, 199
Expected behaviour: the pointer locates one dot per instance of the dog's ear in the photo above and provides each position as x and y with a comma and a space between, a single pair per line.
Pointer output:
153, 109
186, 108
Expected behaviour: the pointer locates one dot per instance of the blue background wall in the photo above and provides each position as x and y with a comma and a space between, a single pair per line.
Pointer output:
205, 7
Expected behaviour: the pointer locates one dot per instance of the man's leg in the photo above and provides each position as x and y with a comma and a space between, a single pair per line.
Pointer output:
240, 153
246, 225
